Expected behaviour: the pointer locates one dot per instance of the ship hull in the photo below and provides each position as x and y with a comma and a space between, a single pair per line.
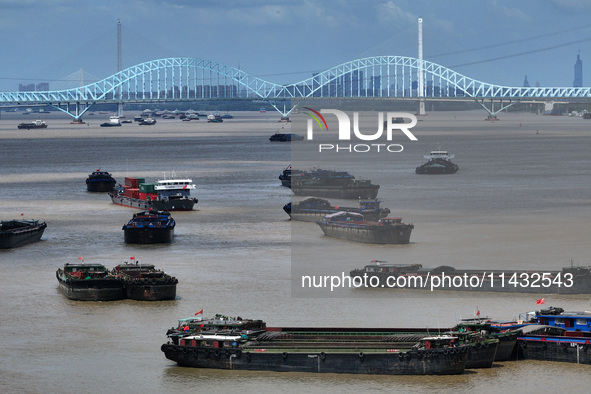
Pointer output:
146, 235
100, 185
548, 348
92, 289
21, 236
425, 362
146, 291
184, 204
342, 192
368, 234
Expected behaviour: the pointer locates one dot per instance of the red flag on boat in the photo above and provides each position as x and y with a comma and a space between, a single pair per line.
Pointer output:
540, 301
80, 258
22, 214
198, 312
478, 313
132, 258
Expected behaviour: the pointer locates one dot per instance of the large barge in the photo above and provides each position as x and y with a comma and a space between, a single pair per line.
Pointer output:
89, 282
149, 227
15, 233
328, 184
556, 335
569, 280
313, 209
232, 344
353, 227
143, 282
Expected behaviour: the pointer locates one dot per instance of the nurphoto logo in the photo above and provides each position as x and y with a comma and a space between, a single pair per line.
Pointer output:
394, 121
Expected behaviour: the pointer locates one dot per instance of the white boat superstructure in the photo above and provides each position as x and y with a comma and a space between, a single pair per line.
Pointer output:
439, 154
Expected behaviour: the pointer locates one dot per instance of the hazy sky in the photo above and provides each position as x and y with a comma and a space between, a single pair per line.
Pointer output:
496, 41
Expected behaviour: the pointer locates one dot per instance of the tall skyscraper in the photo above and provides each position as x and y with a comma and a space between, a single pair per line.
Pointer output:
578, 82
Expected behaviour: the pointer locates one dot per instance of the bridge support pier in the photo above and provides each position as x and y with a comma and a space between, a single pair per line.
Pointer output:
284, 113
492, 114
78, 110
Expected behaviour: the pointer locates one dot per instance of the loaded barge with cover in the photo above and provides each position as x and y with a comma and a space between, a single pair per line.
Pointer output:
353, 227
328, 184
228, 343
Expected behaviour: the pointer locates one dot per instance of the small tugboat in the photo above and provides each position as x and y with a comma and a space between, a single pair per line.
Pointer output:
15, 233
570, 280
168, 194
38, 124
113, 121
353, 227
143, 282
235, 343
89, 282
313, 209
147, 121
439, 162
149, 227
100, 181
285, 137
332, 184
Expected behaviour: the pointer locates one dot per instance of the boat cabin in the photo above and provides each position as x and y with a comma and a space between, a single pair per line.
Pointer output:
571, 321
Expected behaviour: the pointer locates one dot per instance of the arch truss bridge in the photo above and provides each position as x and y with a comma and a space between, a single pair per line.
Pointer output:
188, 79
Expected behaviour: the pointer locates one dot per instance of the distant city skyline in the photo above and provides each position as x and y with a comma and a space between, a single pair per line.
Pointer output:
287, 41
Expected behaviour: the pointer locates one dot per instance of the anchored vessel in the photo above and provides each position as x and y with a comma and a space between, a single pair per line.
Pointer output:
285, 137
570, 280
100, 181
331, 184
172, 194
439, 162
313, 209
285, 176
38, 124
89, 282
556, 335
353, 227
15, 233
228, 343
143, 282
149, 227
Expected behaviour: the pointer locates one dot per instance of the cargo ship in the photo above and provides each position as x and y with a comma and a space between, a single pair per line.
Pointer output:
353, 227
89, 282
149, 227
100, 181
172, 194
15, 233
331, 184
238, 344
143, 282
38, 124
569, 280
313, 209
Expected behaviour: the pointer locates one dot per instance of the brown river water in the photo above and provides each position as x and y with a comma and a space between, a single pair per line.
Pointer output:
520, 200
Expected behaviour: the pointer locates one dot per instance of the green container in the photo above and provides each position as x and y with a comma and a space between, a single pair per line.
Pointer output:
147, 187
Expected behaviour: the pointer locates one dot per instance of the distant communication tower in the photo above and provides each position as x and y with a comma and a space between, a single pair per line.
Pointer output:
578, 82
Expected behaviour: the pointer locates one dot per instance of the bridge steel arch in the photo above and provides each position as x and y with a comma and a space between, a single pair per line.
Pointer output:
187, 79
